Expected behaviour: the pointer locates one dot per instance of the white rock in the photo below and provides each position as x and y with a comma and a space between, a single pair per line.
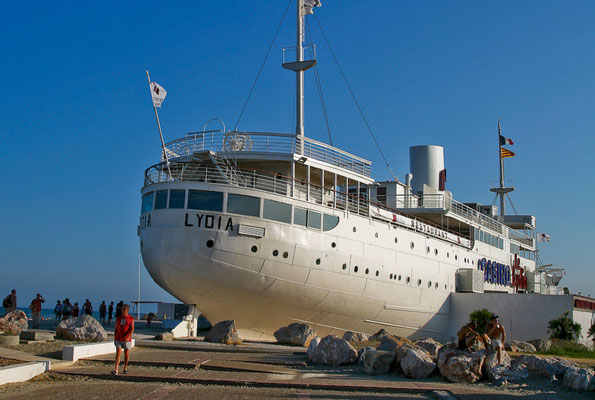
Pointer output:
84, 328
417, 364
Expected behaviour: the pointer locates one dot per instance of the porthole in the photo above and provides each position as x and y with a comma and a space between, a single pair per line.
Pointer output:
412, 245
445, 287
400, 278
354, 229
210, 243
436, 251
333, 245
419, 282
408, 279
377, 273
376, 235
447, 255
428, 249
456, 257
318, 261
275, 253
436, 285
285, 254
472, 263
429, 284
391, 276
396, 240
344, 266
254, 249
355, 268
367, 270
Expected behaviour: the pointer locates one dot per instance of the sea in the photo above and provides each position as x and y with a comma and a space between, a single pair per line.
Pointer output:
46, 313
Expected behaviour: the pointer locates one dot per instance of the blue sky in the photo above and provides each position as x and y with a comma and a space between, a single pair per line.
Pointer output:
78, 128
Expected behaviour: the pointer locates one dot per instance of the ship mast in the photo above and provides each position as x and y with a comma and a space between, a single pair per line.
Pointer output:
502, 190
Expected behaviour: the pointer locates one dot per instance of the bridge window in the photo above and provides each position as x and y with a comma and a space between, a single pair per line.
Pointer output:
147, 204
314, 219
276, 211
160, 199
243, 205
176, 198
329, 222
299, 216
204, 200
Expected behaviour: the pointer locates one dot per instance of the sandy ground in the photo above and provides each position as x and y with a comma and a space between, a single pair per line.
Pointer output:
4, 362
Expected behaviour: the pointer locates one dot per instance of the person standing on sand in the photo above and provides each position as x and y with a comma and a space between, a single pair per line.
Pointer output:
66, 309
87, 307
123, 337
110, 312
58, 311
102, 310
10, 301
119, 308
36, 310
75, 310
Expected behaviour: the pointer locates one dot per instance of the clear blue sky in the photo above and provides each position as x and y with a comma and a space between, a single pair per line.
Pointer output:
78, 129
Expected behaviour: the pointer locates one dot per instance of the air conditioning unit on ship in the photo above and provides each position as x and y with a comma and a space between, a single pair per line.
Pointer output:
469, 280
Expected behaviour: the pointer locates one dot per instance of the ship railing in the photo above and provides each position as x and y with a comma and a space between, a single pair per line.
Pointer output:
450, 205
278, 184
282, 143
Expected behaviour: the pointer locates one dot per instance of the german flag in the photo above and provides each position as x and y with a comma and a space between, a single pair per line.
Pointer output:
505, 153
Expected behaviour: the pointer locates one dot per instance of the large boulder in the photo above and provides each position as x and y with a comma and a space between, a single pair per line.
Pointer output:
429, 345
460, 366
331, 350
417, 364
378, 335
548, 367
296, 333
391, 343
378, 362
355, 337
519, 347
14, 322
361, 354
492, 368
84, 328
579, 379
165, 336
541, 344
223, 332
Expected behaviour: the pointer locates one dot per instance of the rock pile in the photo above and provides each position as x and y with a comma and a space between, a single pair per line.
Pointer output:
429, 345
331, 350
579, 379
355, 337
223, 332
84, 328
541, 344
460, 366
297, 334
417, 364
519, 347
14, 322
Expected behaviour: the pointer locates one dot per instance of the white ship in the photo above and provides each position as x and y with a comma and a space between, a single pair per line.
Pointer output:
272, 228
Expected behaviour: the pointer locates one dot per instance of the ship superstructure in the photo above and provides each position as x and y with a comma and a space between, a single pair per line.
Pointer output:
273, 228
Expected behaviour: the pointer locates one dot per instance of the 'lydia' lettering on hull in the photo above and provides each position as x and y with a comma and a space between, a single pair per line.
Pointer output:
208, 221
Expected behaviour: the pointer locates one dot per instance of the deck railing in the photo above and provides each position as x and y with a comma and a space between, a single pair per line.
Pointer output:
281, 143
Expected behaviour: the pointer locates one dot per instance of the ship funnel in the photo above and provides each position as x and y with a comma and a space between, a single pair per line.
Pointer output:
408, 179
427, 166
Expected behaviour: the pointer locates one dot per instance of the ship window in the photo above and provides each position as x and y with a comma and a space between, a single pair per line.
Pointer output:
276, 211
429, 284
344, 266
377, 273
400, 278
412, 245
355, 268
391, 276
299, 216
408, 279
436, 285
314, 219
329, 222
176, 198
436, 251
204, 200
147, 204
367, 270
160, 199
210, 243
318, 261
285, 254
254, 249
243, 205
333, 245
275, 253
419, 282
481, 236
428, 249
396, 240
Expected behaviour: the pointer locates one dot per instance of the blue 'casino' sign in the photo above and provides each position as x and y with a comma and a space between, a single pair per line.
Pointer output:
494, 272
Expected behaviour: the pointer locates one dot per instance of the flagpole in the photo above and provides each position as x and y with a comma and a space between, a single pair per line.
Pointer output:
160, 133
138, 308
502, 200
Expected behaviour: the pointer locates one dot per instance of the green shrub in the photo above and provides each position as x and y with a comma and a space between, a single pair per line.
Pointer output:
564, 328
569, 348
482, 319
591, 331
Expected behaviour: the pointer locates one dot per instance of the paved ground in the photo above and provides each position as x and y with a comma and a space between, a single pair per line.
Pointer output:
194, 369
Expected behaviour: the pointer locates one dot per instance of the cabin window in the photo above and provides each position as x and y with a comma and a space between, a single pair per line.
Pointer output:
276, 211
243, 205
160, 199
147, 203
204, 200
381, 195
314, 219
299, 216
329, 222
176, 198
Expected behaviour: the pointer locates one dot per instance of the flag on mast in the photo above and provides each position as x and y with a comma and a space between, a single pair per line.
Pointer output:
158, 93
505, 153
308, 5
505, 140
543, 237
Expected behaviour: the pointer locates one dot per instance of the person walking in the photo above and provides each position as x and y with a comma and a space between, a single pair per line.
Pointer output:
58, 311
10, 301
36, 309
123, 337
110, 312
87, 307
119, 308
75, 310
66, 309
102, 310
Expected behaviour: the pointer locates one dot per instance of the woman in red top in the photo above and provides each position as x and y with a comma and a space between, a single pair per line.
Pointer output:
123, 337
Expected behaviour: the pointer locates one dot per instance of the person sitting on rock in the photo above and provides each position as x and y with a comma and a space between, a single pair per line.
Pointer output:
497, 334
467, 336
75, 310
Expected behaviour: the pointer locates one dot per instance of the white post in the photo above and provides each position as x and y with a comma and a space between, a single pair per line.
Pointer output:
138, 308
160, 133
299, 82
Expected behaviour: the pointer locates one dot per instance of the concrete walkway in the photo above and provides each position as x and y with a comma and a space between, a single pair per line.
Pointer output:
28, 357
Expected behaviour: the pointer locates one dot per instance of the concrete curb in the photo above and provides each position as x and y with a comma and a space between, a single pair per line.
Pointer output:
23, 372
76, 351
